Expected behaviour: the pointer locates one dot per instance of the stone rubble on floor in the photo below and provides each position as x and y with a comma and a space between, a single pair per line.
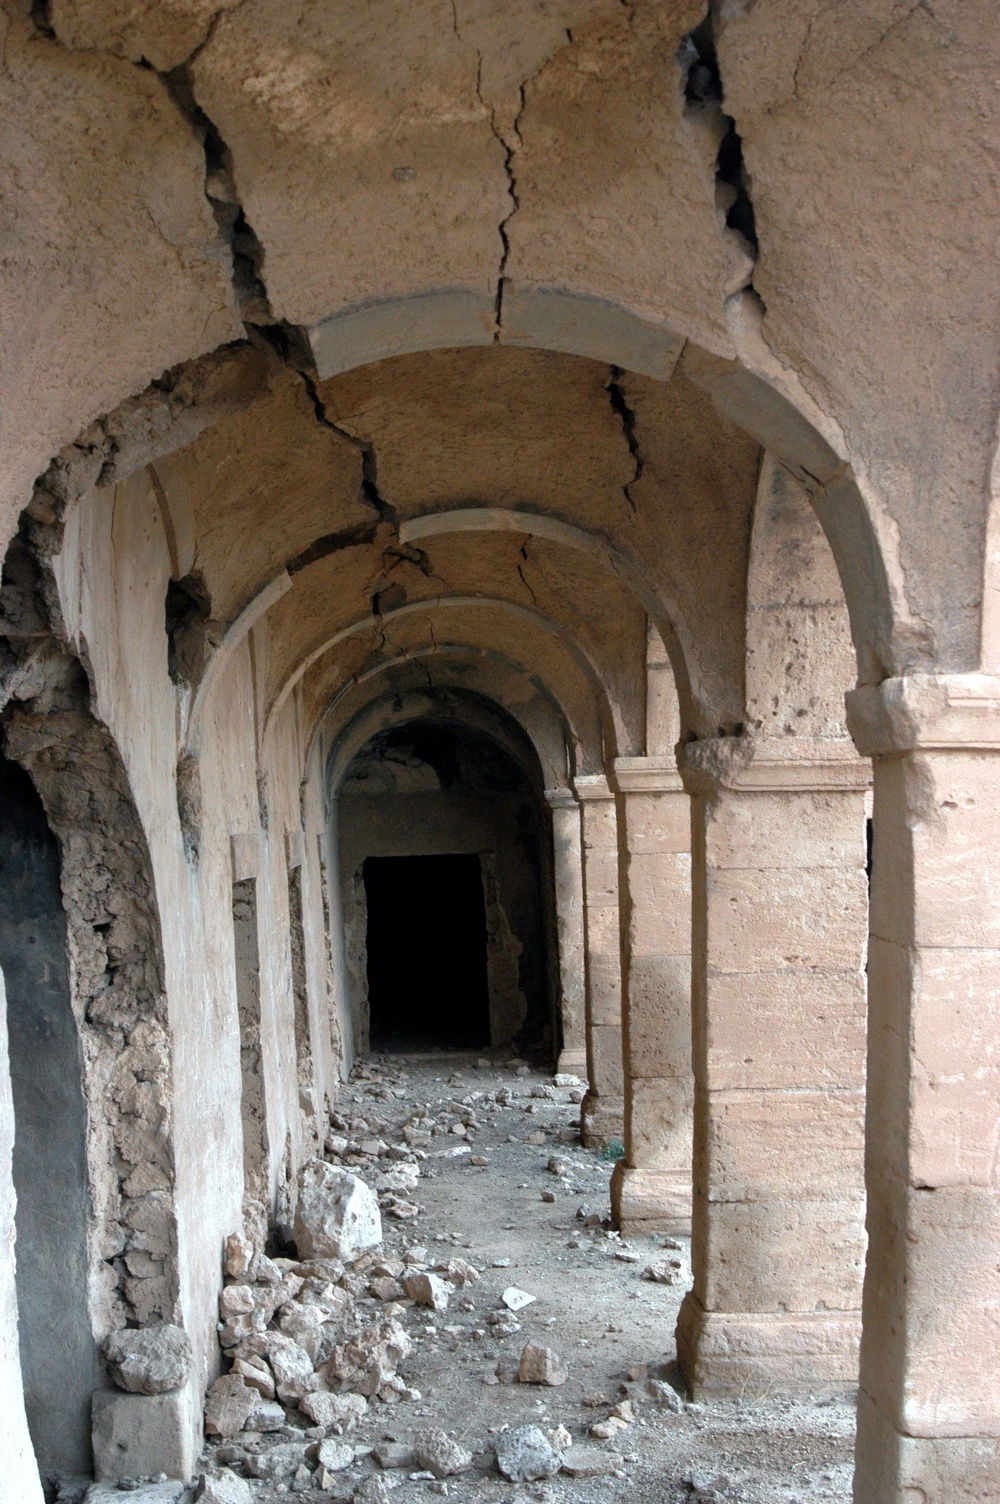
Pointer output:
314, 1344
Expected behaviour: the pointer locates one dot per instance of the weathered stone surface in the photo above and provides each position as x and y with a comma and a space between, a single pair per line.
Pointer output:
294, 1375
525, 1454
336, 1215
224, 1487
369, 1361
427, 1290
134, 1434
541, 1365
228, 1404
589, 1462
337, 1412
334, 1456
149, 1360
146, 1493
435, 1450
267, 1415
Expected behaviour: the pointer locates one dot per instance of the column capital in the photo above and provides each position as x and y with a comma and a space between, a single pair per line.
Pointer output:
767, 765
593, 787
561, 799
647, 775
930, 712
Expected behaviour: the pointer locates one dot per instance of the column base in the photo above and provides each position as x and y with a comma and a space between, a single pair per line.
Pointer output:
601, 1119
752, 1356
645, 1201
136, 1435
572, 1062
895, 1469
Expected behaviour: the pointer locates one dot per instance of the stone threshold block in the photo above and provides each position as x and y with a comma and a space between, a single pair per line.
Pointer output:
137, 1435
752, 1356
645, 1201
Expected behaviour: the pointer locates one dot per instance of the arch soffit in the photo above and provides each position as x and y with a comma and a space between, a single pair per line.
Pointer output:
550, 726
463, 521
446, 604
745, 382
387, 709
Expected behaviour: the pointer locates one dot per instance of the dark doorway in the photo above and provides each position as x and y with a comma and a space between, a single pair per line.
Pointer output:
427, 981
58, 1355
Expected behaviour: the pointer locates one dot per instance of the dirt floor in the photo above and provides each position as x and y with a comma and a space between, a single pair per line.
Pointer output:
519, 1222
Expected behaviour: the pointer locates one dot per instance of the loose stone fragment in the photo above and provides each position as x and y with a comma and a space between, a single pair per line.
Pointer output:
526, 1455
228, 1404
364, 1364
239, 1256
392, 1454
335, 1412
223, 1488
268, 1416
293, 1368
516, 1300
603, 1430
150, 1359
386, 1289
334, 1456
589, 1462
256, 1373
168, 1492
664, 1395
540, 1365
671, 1269
336, 1216
372, 1491
426, 1290
277, 1464
460, 1272
435, 1450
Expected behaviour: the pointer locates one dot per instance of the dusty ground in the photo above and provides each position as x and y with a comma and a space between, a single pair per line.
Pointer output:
592, 1306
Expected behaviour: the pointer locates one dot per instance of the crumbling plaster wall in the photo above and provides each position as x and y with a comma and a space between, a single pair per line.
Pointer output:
112, 574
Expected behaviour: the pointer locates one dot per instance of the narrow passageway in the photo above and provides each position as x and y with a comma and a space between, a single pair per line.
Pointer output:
483, 1185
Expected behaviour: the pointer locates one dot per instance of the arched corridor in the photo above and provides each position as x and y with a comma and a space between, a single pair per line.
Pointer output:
495, 499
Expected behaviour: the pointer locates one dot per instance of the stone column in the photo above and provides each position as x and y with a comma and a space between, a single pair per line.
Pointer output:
929, 1406
651, 1187
567, 867
779, 901
603, 1112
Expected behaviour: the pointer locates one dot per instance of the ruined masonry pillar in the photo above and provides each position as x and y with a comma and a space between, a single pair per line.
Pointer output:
651, 1187
567, 862
929, 1404
779, 907
603, 1111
